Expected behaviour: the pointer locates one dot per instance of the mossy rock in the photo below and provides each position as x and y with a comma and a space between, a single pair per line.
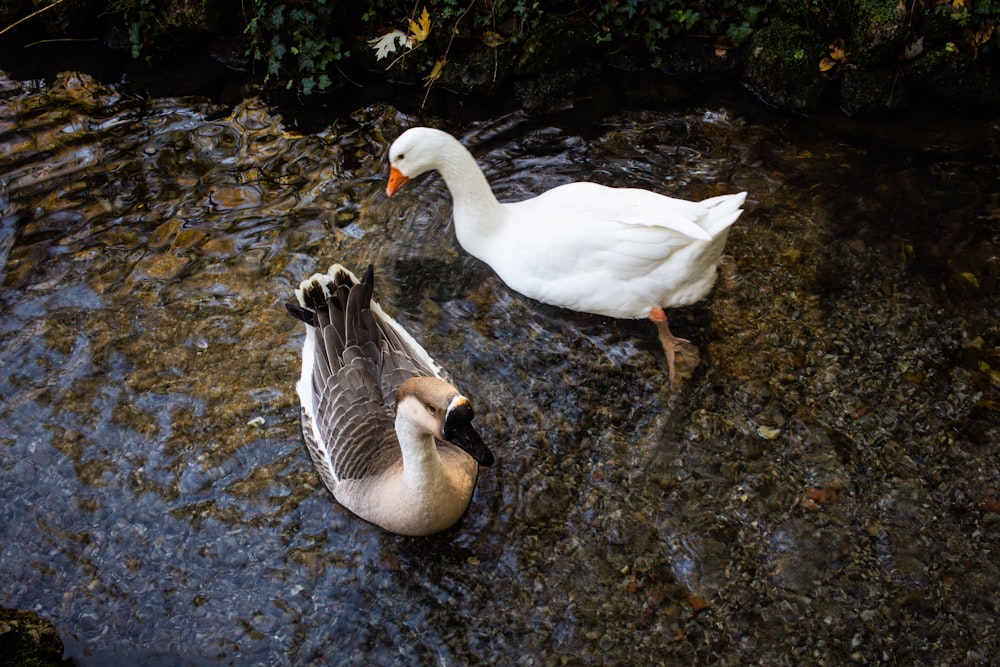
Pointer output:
480, 71
543, 91
198, 17
864, 92
879, 30
830, 18
954, 78
27, 640
937, 23
557, 43
783, 67
695, 60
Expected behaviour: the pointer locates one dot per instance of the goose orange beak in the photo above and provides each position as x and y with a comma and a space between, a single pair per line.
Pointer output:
396, 180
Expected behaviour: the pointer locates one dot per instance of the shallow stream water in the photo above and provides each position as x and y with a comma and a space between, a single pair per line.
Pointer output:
821, 487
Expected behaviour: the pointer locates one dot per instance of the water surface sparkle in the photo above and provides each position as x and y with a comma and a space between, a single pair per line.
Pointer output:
823, 488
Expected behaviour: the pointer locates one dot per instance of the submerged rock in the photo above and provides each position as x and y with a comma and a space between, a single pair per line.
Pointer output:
27, 639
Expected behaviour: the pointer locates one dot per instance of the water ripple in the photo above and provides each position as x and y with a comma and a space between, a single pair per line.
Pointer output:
818, 479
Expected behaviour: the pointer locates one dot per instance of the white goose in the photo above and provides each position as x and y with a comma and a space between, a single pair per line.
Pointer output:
412, 473
618, 252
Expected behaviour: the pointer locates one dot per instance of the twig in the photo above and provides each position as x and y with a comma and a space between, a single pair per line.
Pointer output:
63, 39
454, 31
403, 55
31, 16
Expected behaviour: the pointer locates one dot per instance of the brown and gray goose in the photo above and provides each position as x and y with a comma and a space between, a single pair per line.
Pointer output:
390, 436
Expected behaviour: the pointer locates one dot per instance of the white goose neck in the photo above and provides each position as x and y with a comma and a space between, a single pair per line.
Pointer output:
473, 199
422, 464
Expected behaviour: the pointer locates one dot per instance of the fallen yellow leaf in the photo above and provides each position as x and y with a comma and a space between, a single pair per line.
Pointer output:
419, 30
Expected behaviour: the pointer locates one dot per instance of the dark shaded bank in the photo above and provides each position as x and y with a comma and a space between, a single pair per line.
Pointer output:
862, 57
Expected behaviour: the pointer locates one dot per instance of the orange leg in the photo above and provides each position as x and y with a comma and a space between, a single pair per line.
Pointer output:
669, 341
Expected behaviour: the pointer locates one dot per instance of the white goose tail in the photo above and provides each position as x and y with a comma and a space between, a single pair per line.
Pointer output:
723, 211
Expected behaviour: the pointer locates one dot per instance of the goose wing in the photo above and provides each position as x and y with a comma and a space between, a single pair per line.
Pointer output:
402, 357
348, 424
623, 206
625, 232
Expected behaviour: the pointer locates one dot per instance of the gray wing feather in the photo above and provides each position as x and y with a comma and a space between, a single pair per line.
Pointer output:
354, 379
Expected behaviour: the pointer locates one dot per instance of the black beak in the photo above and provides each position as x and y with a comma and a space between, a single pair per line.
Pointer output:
458, 431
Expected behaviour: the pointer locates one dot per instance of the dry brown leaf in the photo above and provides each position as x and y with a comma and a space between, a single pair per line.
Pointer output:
698, 603
435, 73
492, 39
822, 495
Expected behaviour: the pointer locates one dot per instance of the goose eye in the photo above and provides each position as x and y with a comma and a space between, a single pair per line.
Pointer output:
400, 156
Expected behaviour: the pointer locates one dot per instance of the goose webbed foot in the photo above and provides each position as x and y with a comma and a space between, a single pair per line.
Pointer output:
671, 344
